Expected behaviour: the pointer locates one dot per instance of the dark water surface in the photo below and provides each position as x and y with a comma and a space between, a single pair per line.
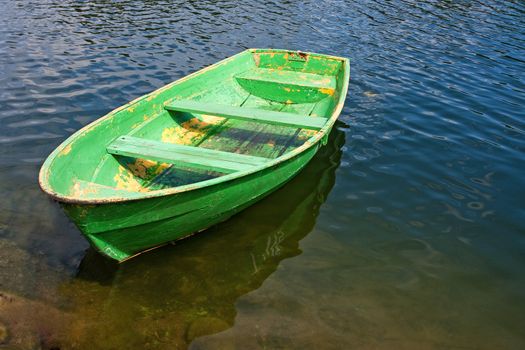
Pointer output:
406, 232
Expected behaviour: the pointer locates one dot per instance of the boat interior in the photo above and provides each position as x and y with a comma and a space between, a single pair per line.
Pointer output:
230, 117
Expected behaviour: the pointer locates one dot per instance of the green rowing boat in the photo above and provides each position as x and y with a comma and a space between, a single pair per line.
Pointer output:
195, 152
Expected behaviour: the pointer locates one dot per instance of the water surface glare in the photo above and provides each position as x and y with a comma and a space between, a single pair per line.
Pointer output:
405, 232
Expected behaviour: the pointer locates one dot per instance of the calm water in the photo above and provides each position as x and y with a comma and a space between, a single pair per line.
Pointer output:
406, 232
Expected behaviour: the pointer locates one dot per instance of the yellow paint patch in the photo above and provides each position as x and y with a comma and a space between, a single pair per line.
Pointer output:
327, 91
141, 166
131, 109
257, 59
306, 134
125, 180
169, 135
190, 131
153, 95
211, 119
82, 191
65, 151
161, 168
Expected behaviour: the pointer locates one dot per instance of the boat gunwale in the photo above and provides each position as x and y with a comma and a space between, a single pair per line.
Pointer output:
43, 178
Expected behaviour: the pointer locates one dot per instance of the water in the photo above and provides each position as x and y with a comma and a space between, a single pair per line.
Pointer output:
406, 232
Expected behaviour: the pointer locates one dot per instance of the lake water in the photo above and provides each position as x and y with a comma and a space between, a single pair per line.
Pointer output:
407, 231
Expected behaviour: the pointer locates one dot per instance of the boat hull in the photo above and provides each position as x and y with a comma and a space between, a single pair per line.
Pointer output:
196, 151
124, 229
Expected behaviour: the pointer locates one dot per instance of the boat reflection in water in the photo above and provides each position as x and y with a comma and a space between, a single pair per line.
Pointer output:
170, 296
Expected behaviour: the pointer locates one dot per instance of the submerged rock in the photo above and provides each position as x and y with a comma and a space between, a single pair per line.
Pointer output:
30, 324
205, 326
25, 274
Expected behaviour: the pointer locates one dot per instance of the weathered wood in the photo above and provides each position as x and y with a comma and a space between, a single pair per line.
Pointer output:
251, 114
89, 189
288, 77
201, 158
287, 86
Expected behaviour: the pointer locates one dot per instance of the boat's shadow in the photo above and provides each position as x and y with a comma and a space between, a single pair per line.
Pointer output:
177, 293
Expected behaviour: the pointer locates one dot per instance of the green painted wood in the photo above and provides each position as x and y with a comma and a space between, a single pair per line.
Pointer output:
252, 114
289, 78
125, 205
287, 86
174, 217
286, 60
201, 158
259, 139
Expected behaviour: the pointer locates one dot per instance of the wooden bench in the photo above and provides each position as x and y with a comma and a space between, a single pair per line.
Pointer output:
250, 114
289, 78
189, 156
287, 86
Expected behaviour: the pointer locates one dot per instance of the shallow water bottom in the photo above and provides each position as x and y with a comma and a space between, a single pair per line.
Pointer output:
191, 301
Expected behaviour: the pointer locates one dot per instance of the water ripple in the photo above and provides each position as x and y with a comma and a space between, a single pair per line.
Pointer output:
428, 205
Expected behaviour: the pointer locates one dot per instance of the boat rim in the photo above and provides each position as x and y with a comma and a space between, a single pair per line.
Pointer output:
43, 178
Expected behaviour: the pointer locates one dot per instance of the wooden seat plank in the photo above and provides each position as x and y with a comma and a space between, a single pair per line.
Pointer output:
251, 114
288, 77
189, 156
